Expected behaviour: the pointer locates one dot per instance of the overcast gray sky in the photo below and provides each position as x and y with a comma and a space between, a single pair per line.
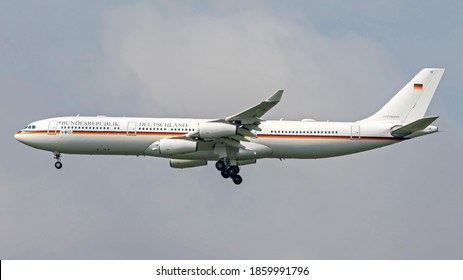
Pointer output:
336, 61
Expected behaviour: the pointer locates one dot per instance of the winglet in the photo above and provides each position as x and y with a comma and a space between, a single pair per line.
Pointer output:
276, 97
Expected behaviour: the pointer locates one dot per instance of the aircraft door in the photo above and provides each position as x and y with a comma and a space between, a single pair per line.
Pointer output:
52, 127
355, 132
131, 129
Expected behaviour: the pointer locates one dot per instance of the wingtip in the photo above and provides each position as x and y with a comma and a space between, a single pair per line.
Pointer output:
276, 97
436, 69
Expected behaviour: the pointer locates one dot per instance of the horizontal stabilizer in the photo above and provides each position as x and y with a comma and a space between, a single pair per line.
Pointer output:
413, 127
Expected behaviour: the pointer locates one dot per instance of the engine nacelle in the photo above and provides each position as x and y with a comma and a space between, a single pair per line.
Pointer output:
176, 146
216, 130
187, 163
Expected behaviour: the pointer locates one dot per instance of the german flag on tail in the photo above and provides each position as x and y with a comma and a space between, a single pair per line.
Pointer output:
418, 86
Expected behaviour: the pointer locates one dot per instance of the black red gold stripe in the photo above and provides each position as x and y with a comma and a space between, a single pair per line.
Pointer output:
93, 132
171, 134
326, 137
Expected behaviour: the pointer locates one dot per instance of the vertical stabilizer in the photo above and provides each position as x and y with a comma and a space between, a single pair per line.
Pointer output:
412, 101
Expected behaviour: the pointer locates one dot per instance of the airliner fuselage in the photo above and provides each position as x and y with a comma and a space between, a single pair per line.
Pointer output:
239, 139
133, 136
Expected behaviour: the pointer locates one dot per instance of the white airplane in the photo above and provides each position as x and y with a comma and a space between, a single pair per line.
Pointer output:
239, 139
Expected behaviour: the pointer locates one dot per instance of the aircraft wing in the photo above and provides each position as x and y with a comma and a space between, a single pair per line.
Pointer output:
242, 124
253, 114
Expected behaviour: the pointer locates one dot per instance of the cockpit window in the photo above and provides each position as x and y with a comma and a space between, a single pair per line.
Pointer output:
31, 126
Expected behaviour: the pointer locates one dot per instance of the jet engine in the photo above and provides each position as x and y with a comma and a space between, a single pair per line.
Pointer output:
176, 146
216, 130
187, 163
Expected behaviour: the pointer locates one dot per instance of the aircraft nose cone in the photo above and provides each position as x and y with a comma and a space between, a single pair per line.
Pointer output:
27, 139
19, 136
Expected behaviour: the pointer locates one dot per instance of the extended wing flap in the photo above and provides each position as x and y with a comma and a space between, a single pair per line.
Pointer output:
245, 132
252, 127
413, 126
239, 138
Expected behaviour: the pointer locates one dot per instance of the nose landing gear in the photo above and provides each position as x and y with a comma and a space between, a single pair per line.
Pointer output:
229, 171
57, 156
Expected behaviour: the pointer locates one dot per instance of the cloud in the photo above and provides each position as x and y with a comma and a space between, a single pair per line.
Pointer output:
176, 60
33, 222
238, 60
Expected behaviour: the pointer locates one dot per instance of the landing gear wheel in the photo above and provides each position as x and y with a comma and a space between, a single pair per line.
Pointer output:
237, 179
220, 165
225, 173
58, 165
233, 170
57, 156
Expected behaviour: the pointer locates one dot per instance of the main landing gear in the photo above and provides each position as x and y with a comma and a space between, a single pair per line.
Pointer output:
229, 171
57, 156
